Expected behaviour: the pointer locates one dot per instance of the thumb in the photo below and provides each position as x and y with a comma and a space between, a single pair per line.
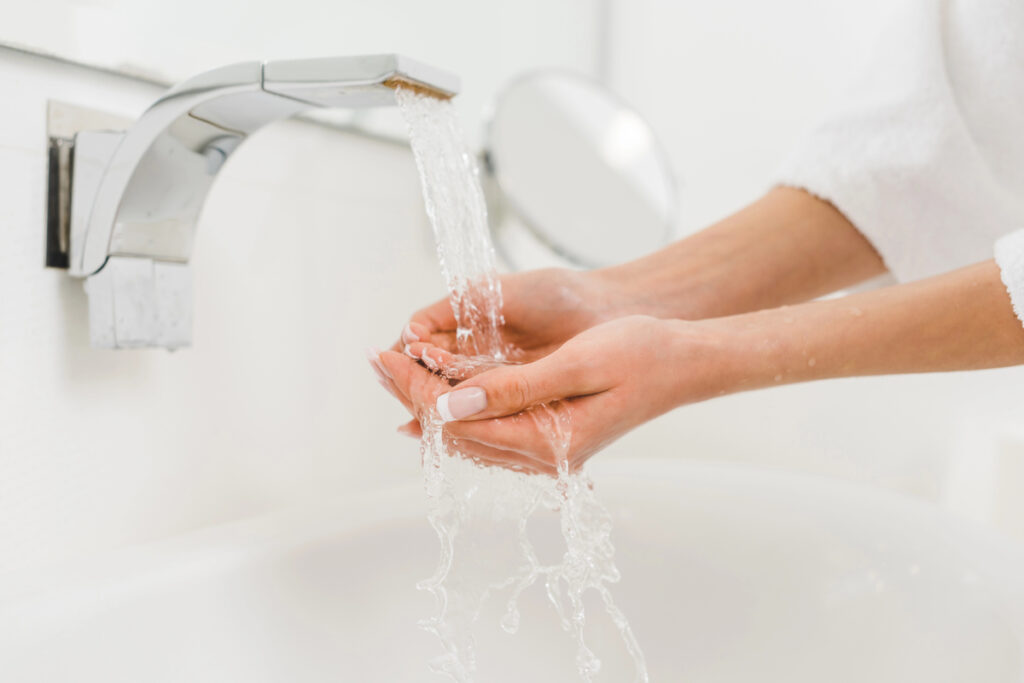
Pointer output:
510, 389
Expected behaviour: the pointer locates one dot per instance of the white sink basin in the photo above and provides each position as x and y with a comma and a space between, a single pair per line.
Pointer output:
729, 574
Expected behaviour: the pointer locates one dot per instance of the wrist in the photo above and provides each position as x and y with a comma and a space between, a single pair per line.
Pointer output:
782, 345
645, 287
693, 279
620, 294
716, 357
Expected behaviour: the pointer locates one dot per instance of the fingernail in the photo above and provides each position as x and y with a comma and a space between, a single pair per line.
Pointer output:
408, 336
374, 360
409, 352
373, 355
430, 362
461, 403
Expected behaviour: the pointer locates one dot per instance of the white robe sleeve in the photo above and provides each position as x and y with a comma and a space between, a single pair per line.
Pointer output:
926, 154
1010, 259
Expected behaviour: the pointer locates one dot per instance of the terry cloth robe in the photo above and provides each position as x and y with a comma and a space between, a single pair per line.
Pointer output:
925, 155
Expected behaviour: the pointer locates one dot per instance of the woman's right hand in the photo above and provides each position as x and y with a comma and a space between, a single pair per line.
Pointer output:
542, 310
606, 381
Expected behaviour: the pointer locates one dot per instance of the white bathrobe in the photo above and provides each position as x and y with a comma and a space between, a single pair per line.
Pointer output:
926, 155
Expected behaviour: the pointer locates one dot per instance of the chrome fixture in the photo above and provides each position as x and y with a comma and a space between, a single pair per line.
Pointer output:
124, 203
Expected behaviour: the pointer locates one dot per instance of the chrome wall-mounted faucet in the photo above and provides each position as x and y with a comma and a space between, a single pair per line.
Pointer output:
135, 195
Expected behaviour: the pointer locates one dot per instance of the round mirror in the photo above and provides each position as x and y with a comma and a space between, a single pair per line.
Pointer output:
574, 171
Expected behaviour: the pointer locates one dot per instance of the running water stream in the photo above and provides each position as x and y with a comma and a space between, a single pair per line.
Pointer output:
466, 499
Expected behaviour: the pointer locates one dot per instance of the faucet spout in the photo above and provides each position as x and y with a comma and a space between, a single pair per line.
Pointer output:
137, 194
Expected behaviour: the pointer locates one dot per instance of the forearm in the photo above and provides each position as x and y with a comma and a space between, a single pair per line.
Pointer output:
787, 247
961, 320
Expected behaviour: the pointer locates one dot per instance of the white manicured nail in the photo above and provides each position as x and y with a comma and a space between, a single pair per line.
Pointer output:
461, 403
408, 336
442, 408
373, 355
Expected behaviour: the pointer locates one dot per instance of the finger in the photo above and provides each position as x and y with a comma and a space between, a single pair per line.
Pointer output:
411, 429
416, 383
415, 332
442, 361
548, 434
455, 366
390, 387
435, 357
437, 317
510, 389
435, 324
496, 457
515, 433
415, 349
448, 364
385, 380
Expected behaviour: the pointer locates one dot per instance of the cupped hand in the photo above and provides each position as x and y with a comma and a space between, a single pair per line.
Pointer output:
542, 309
417, 389
609, 378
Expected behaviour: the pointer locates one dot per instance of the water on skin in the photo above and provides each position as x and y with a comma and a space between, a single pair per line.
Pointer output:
464, 496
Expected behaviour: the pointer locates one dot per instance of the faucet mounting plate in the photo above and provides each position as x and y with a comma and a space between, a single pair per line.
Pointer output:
63, 122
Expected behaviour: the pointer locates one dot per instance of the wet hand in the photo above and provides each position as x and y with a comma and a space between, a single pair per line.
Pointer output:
542, 309
610, 379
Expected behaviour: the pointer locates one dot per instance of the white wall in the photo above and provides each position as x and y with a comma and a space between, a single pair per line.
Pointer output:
730, 85
484, 42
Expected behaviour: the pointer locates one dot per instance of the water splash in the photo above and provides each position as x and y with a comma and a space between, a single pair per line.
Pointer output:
463, 495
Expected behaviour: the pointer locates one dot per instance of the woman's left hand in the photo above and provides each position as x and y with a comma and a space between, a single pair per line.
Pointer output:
610, 378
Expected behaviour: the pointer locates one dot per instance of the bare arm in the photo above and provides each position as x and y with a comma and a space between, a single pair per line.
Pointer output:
960, 320
786, 247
